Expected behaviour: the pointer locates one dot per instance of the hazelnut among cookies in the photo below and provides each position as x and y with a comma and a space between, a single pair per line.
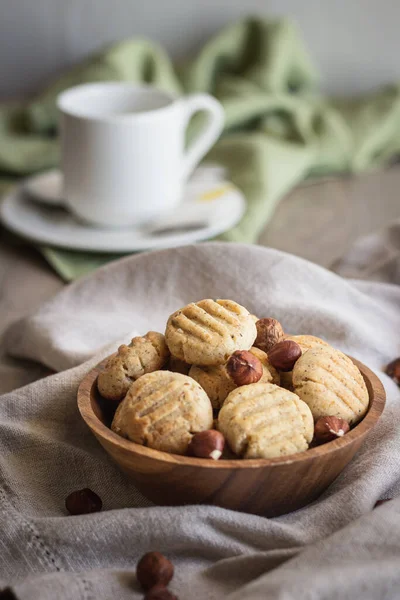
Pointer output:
221, 377
306, 342
217, 382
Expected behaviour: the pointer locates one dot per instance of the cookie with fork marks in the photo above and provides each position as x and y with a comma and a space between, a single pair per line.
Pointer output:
209, 331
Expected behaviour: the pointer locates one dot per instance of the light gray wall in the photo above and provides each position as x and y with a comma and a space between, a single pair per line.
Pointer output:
355, 43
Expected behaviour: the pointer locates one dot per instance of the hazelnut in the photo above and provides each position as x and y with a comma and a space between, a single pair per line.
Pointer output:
160, 592
284, 355
269, 333
393, 370
154, 569
207, 444
7, 594
244, 368
329, 428
83, 502
380, 502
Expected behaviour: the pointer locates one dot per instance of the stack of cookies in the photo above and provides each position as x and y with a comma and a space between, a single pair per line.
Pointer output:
220, 374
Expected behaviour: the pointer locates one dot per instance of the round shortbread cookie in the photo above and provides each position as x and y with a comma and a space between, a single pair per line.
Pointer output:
143, 355
209, 331
162, 410
331, 384
217, 383
263, 420
306, 342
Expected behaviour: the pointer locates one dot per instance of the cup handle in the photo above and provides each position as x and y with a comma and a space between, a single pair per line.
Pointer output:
211, 132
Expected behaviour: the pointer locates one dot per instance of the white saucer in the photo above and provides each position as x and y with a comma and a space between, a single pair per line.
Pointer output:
211, 206
45, 187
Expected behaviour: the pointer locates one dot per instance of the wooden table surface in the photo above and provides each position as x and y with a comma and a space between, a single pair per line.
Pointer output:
316, 221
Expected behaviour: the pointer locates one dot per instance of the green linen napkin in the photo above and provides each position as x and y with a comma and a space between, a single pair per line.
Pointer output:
279, 129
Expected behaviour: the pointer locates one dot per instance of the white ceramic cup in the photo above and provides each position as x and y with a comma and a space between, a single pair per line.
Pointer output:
123, 150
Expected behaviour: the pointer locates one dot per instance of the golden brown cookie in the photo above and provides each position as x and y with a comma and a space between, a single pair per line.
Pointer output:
217, 383
331, 384
209, 331
305, 342
162, 410
263, 420
143, 355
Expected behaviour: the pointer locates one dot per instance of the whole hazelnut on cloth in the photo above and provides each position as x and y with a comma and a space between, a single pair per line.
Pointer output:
83, 502
207, 444
329, 428
160, 592
7, 594
154, 569
269, 333
284, 354
244, 368
393, 370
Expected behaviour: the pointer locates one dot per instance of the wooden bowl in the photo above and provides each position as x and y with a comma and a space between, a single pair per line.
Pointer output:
268, 487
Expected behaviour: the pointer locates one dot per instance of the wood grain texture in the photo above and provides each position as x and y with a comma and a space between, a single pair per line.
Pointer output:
320, 221
267, 487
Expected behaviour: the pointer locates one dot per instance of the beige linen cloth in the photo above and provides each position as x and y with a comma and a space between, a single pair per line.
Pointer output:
338, 547
375, 256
